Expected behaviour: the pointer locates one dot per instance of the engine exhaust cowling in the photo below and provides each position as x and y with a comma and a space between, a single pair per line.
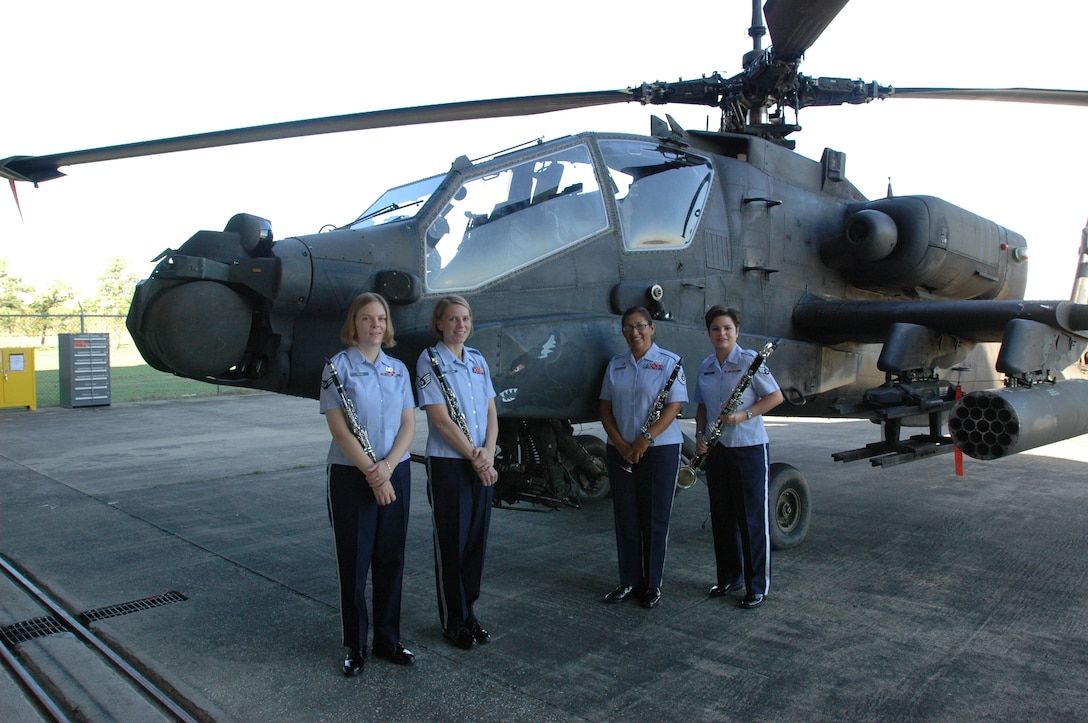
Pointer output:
921, 245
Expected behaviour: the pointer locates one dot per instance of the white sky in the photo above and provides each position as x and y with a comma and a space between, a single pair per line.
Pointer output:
83, 75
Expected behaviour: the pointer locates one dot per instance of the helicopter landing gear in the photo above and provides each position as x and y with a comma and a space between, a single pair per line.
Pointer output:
542, 462
791, 509
592, 476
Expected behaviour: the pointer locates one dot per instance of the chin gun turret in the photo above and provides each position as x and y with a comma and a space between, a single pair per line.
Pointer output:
996, 423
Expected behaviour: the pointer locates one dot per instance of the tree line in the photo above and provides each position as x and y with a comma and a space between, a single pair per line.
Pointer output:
115, 286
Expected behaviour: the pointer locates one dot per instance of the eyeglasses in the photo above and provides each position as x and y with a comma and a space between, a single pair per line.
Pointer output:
628, 328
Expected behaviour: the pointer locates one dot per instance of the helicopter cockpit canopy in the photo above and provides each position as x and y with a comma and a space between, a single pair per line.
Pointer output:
504, 220
398, 203
660, 192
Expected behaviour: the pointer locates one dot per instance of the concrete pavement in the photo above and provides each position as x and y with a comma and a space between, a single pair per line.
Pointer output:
918, 595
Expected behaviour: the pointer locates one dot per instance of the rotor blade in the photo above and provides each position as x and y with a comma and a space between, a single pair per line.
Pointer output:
44, 168
796, 24
1011, 95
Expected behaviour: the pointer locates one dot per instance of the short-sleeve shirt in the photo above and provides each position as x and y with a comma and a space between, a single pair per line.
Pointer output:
470, 381
633, 386
715, 385
379, 391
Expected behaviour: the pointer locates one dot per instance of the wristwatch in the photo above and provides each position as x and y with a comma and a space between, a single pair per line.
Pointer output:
749, 411
647, 436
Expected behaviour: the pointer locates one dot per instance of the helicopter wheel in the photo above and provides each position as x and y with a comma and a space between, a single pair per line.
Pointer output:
790, 506
592, 489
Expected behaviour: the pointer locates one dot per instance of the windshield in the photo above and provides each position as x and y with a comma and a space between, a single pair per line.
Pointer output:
498, 223
660, 193
398, 203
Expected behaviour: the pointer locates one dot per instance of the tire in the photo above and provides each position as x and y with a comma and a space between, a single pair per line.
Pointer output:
789, 506
590, 488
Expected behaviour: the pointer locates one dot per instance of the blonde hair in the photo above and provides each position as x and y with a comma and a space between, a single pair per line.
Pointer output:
348, 332
440, 308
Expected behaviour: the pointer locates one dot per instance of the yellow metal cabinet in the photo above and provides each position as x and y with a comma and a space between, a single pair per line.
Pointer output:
18, 386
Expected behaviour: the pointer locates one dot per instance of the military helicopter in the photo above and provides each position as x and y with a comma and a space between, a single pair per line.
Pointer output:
883, 307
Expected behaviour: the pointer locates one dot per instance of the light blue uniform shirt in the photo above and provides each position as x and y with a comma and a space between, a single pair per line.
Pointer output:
470, 380
633, 386
717, 382
379, 392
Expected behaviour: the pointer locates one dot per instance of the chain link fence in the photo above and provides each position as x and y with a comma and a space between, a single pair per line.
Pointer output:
41, 329
131, 379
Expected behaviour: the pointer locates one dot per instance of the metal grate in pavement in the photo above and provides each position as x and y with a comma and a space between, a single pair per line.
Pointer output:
135, 606
29, 629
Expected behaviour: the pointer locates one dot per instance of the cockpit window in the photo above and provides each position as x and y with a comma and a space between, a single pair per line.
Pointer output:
503, 221
398, 203
660, 192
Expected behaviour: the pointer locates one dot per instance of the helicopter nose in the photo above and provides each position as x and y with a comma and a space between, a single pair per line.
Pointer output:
198, 329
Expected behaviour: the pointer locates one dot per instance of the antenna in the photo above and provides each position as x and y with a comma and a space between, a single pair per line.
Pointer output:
758, 29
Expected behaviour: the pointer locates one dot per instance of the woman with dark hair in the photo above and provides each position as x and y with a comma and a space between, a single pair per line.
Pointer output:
737, 467
368, 498
455, 389
643, 460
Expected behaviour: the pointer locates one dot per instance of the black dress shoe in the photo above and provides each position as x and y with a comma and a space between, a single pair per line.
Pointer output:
621, 593
751, 601
652, 597
723, 590
353, 663
479, 635
461, 638
396, 654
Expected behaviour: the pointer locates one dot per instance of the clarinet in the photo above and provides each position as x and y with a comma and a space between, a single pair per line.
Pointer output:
451, 400
659, 403
349, 412
686, 477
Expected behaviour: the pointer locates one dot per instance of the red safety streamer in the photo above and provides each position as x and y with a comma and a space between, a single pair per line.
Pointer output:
956, 452
15, 195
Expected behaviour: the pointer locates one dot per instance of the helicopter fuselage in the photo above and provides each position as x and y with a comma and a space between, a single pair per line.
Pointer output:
550, 244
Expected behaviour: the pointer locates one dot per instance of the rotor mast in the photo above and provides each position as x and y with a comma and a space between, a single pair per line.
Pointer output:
757, 115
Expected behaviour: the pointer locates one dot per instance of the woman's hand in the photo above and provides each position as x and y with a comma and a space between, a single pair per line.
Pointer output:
734, 419
384, 494
378, 473
483, 461
636, 450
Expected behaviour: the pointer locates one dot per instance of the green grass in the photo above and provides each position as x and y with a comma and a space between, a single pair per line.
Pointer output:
131, 379
135, 384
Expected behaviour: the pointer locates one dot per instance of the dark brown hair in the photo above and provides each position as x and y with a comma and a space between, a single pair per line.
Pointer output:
721, 310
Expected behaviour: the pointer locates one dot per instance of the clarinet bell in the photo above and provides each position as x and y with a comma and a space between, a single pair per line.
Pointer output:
686, 478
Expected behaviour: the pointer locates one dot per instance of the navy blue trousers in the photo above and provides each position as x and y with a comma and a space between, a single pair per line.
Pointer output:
461, 511
369, 538
642, 508
737, 480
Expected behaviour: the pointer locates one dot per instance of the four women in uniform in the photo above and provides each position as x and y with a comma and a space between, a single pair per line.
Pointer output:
641, 396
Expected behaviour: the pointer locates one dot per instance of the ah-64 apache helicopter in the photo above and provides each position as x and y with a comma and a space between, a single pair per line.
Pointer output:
879, 304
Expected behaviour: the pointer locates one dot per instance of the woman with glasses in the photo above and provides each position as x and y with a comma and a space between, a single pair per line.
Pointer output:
643, 454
